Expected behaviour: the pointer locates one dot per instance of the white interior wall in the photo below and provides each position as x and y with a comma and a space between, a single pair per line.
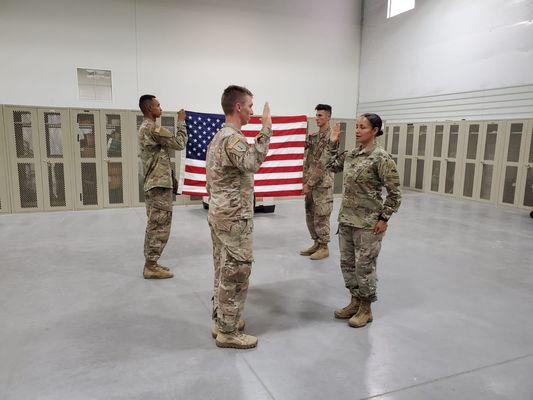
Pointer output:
427, 61
294, 54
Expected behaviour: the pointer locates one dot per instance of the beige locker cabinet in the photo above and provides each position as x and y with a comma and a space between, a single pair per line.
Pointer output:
39, 150
526, 194
115, 166
488, 159
385, 139
56, 159
23, 148
446, 155
347, 141
415, 165
394, 142
421, 166
87, 158
472, 160
408, 162
397, 139
5, 200
516, 175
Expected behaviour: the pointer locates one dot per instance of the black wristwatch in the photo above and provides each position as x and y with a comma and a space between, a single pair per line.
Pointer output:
382, 218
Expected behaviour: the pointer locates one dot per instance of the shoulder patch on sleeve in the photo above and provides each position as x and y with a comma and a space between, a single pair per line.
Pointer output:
235, 143
163, 132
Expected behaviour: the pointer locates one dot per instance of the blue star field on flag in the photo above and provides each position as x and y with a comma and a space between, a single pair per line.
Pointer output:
201, 128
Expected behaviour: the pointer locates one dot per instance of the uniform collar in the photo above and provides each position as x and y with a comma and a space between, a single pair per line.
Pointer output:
366, 150
318, 133
230, 125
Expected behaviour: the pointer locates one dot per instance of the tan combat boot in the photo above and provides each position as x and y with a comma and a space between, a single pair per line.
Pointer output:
154, 271
236, 340
163, 267
214, 329
310, 250
350, 310
363, 316
321, 253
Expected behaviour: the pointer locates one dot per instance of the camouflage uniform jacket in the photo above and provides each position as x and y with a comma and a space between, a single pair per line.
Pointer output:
366, 171
315, 160
231, 164
154, 145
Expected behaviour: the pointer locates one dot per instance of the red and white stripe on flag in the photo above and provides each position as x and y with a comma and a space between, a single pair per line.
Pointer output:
282, 170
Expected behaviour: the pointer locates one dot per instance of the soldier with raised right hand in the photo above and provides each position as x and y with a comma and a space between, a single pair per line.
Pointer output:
363, 216
155, 143
230, 166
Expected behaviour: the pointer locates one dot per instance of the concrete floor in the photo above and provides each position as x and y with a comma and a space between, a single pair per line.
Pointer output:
454, 318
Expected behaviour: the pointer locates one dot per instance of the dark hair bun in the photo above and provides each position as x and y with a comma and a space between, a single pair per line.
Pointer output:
379, 133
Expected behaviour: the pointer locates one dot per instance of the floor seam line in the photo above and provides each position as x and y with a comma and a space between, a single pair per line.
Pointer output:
442, 378
258, 378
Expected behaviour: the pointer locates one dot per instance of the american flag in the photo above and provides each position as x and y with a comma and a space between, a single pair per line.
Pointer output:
281, 172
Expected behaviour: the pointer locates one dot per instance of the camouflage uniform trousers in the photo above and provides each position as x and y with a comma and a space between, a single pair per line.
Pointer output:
359, 250
159, 212
232, 256
318, 206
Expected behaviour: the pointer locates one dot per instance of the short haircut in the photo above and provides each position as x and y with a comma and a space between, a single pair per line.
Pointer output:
323, 107
144, 102
232, 95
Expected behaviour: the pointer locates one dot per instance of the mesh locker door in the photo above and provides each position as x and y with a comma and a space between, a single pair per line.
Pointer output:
5, 203
22, 136
54, 132
419, 162
397, 151
408, 166
437, 160
472, 159
491, 139
452, 142
515, 141
114, 141
527, 181
87, 152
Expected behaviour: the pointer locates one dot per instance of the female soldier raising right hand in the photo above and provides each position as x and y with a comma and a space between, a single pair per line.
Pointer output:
363, 217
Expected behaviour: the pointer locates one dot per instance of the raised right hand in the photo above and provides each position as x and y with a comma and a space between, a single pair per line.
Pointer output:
266, 118
335, 132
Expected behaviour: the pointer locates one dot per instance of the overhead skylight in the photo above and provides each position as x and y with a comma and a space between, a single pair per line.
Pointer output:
399, 6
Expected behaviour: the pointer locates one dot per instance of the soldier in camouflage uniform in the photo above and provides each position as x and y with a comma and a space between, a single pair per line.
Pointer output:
318, 185
363, 216
231, 164
154, 145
